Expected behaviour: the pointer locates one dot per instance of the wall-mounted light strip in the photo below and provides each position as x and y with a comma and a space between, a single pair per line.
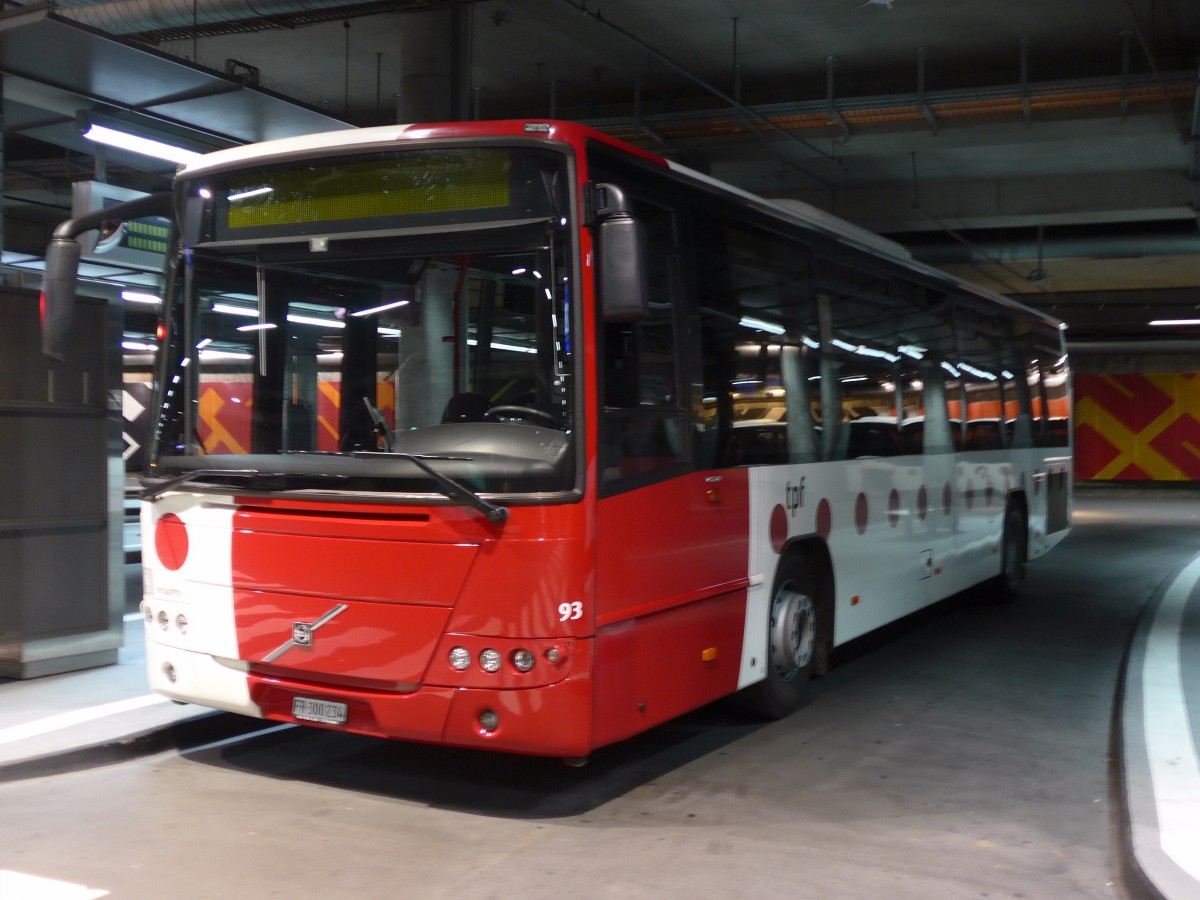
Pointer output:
138, 144
1170, 322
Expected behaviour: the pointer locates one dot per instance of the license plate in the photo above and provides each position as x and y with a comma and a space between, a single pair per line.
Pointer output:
327, 712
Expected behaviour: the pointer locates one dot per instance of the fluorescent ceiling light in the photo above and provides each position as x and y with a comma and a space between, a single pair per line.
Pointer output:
257, 326
379, 309
234, 310
246, 195
1170, 322
140, 297
223, 354
313, 320
138, 144
760, 325
500, 345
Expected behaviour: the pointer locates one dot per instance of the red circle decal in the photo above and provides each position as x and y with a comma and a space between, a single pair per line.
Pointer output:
824, 519
171, 541
779, 527
861, 514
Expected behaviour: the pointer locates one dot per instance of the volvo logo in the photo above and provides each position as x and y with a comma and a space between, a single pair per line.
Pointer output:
302, 633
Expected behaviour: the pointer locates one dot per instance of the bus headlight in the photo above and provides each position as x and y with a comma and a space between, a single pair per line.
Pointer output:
490, 660
460, 658
522, 660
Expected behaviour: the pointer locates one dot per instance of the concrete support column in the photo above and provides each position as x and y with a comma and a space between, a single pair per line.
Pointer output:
435, 54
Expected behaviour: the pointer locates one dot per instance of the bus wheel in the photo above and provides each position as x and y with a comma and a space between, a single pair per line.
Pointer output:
1007, 584
794, 635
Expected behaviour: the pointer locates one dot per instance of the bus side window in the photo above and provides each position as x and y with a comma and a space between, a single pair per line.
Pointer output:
859, 357
978, 364
758, 319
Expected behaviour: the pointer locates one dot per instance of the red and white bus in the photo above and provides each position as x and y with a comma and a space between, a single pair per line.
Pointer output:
510, 435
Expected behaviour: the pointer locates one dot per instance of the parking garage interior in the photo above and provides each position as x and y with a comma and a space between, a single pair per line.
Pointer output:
1047, 152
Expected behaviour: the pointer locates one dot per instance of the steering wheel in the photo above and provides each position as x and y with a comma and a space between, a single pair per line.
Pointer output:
522, 412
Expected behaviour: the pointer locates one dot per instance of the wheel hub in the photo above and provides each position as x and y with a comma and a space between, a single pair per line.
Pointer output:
793, 632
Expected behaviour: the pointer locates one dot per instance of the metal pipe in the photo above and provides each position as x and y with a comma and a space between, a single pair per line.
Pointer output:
966, 103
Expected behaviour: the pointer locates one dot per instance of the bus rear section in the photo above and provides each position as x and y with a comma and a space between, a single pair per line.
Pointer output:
425, 624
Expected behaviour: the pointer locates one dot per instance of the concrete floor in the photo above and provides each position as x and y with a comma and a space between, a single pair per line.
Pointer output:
963, 754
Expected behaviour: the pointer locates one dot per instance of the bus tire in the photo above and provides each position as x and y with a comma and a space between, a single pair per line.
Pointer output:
1013, 553
797, 645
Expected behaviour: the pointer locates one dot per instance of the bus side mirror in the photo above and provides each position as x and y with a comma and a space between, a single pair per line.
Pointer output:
621, 259
62, 264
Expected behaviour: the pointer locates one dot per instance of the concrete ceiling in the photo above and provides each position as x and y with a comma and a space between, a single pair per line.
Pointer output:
1043, 149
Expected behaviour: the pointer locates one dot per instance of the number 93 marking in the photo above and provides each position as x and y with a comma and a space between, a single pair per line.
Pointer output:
568, 612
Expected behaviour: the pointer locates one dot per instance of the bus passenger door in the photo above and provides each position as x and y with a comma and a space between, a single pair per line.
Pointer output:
671, 550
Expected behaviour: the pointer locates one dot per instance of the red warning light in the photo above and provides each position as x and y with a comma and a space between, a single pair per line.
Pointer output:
161, 331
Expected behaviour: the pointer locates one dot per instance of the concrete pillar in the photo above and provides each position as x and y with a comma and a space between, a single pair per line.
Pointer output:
435, 56
61, 493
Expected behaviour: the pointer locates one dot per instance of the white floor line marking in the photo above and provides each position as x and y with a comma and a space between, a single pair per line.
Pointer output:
1174, 769
32, 887
76, 717
237, 738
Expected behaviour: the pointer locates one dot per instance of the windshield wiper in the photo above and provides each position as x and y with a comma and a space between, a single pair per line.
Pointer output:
451, 487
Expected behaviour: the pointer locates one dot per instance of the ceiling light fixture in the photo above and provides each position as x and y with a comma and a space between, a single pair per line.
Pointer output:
761, 325
137, 144
1170, 322
140, 297
379, 309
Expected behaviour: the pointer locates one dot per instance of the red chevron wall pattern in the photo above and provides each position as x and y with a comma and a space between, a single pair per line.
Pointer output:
1137, 427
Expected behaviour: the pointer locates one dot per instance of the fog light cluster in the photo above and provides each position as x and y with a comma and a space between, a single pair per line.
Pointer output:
492, 660
164, 620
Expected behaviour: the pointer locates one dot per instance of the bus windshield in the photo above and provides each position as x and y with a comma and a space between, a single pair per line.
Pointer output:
319, 346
